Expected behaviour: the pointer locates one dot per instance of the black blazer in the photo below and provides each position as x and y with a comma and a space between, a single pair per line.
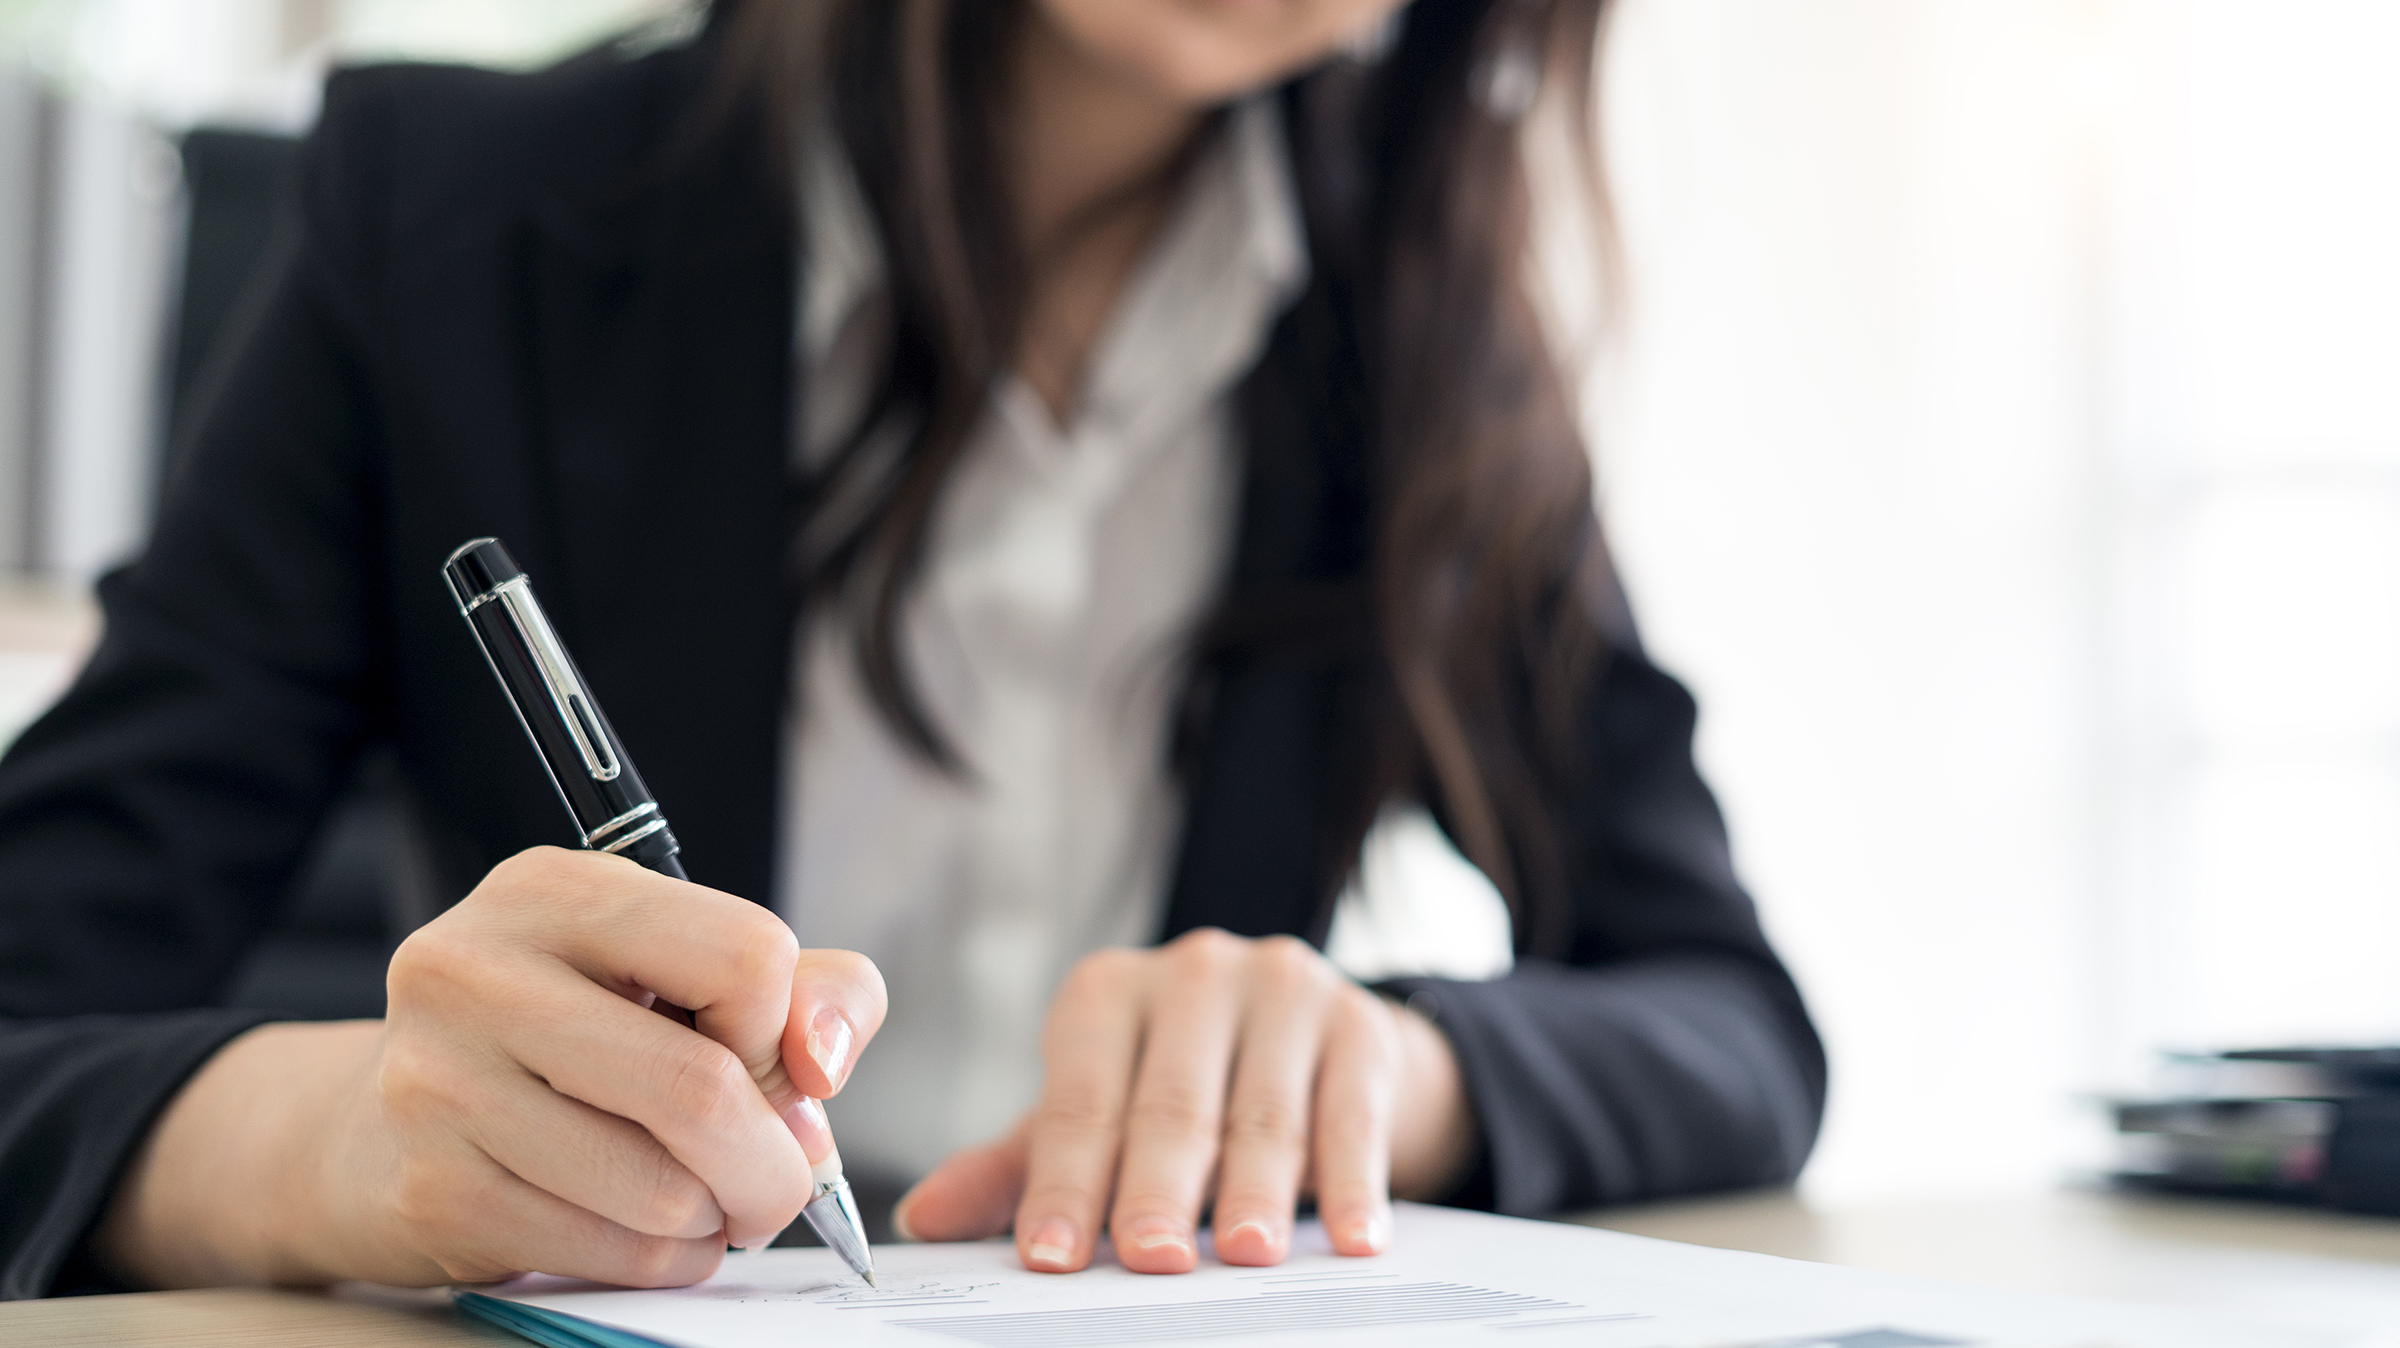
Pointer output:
481, 323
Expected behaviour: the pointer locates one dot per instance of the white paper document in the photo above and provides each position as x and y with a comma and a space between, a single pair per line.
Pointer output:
1450, 1278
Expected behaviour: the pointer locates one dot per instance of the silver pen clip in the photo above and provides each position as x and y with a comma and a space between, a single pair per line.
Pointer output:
558, 675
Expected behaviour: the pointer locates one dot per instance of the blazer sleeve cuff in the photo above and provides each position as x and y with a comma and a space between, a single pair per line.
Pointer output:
82, 1094
1602, 1086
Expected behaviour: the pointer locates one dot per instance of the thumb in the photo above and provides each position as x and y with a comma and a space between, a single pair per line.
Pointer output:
838, 1002
837, 1005
969, 1196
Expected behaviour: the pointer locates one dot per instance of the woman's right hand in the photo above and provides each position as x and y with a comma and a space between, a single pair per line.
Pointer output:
521, 1106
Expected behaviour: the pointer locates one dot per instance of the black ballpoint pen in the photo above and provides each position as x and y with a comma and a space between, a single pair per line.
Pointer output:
612, 809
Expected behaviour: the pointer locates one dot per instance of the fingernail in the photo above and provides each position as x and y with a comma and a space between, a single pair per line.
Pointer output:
1266, 1233
806, 1118
900, 1226
757, 1244
1371, 1232
1053, 1245
1158, 1233
829, 1045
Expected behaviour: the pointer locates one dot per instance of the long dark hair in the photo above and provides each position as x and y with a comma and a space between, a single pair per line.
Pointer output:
1484, 582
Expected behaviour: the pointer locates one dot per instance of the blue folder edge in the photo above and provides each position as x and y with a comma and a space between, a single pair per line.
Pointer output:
549, 1328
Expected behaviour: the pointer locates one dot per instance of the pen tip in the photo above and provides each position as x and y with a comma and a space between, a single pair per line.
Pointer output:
869, 1275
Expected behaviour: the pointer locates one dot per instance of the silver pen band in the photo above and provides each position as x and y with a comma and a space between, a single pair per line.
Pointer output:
637, 835
592, 839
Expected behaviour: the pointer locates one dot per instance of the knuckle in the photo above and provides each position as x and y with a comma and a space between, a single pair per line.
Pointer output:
1079, 1117
765, 950
1347, 1136
704, 1083
515, 894
422, 1197
424, 964
410, 1080
1209, 948
1063, 1195
652, 1261
1100, 973
1269, 1120
1144, 1200
1289, 949
533, 868
1175, 1111
411, 976
679, 1203
1292, 962
436, 976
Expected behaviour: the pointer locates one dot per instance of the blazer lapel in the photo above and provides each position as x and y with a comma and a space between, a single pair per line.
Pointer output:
1273, 764
664, 330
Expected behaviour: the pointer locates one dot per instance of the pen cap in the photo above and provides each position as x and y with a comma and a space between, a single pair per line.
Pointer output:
613, 810
478, 568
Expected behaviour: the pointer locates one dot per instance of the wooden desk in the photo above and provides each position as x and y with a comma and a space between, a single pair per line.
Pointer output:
246, 1317
2304, 1268
2290, 1266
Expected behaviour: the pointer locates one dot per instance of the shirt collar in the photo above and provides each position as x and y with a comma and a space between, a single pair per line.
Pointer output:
842, 260
1262, 172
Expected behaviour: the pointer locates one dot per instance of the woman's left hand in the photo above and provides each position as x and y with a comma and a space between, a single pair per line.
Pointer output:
1252, 1070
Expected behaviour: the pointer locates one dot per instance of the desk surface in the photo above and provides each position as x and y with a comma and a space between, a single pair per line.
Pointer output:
2291, 1266
2303, 1268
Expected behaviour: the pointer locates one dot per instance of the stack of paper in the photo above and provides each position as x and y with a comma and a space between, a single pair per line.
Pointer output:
1451, 1277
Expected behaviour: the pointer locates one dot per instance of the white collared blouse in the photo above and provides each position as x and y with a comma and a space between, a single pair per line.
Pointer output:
1067, 566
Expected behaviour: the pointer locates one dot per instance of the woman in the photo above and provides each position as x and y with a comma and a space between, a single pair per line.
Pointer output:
1177, 484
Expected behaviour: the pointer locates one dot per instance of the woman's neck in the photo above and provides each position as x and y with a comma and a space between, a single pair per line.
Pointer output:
1091, 160
1081, 136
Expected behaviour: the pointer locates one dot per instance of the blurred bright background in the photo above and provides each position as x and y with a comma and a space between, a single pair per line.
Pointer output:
2002, 434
